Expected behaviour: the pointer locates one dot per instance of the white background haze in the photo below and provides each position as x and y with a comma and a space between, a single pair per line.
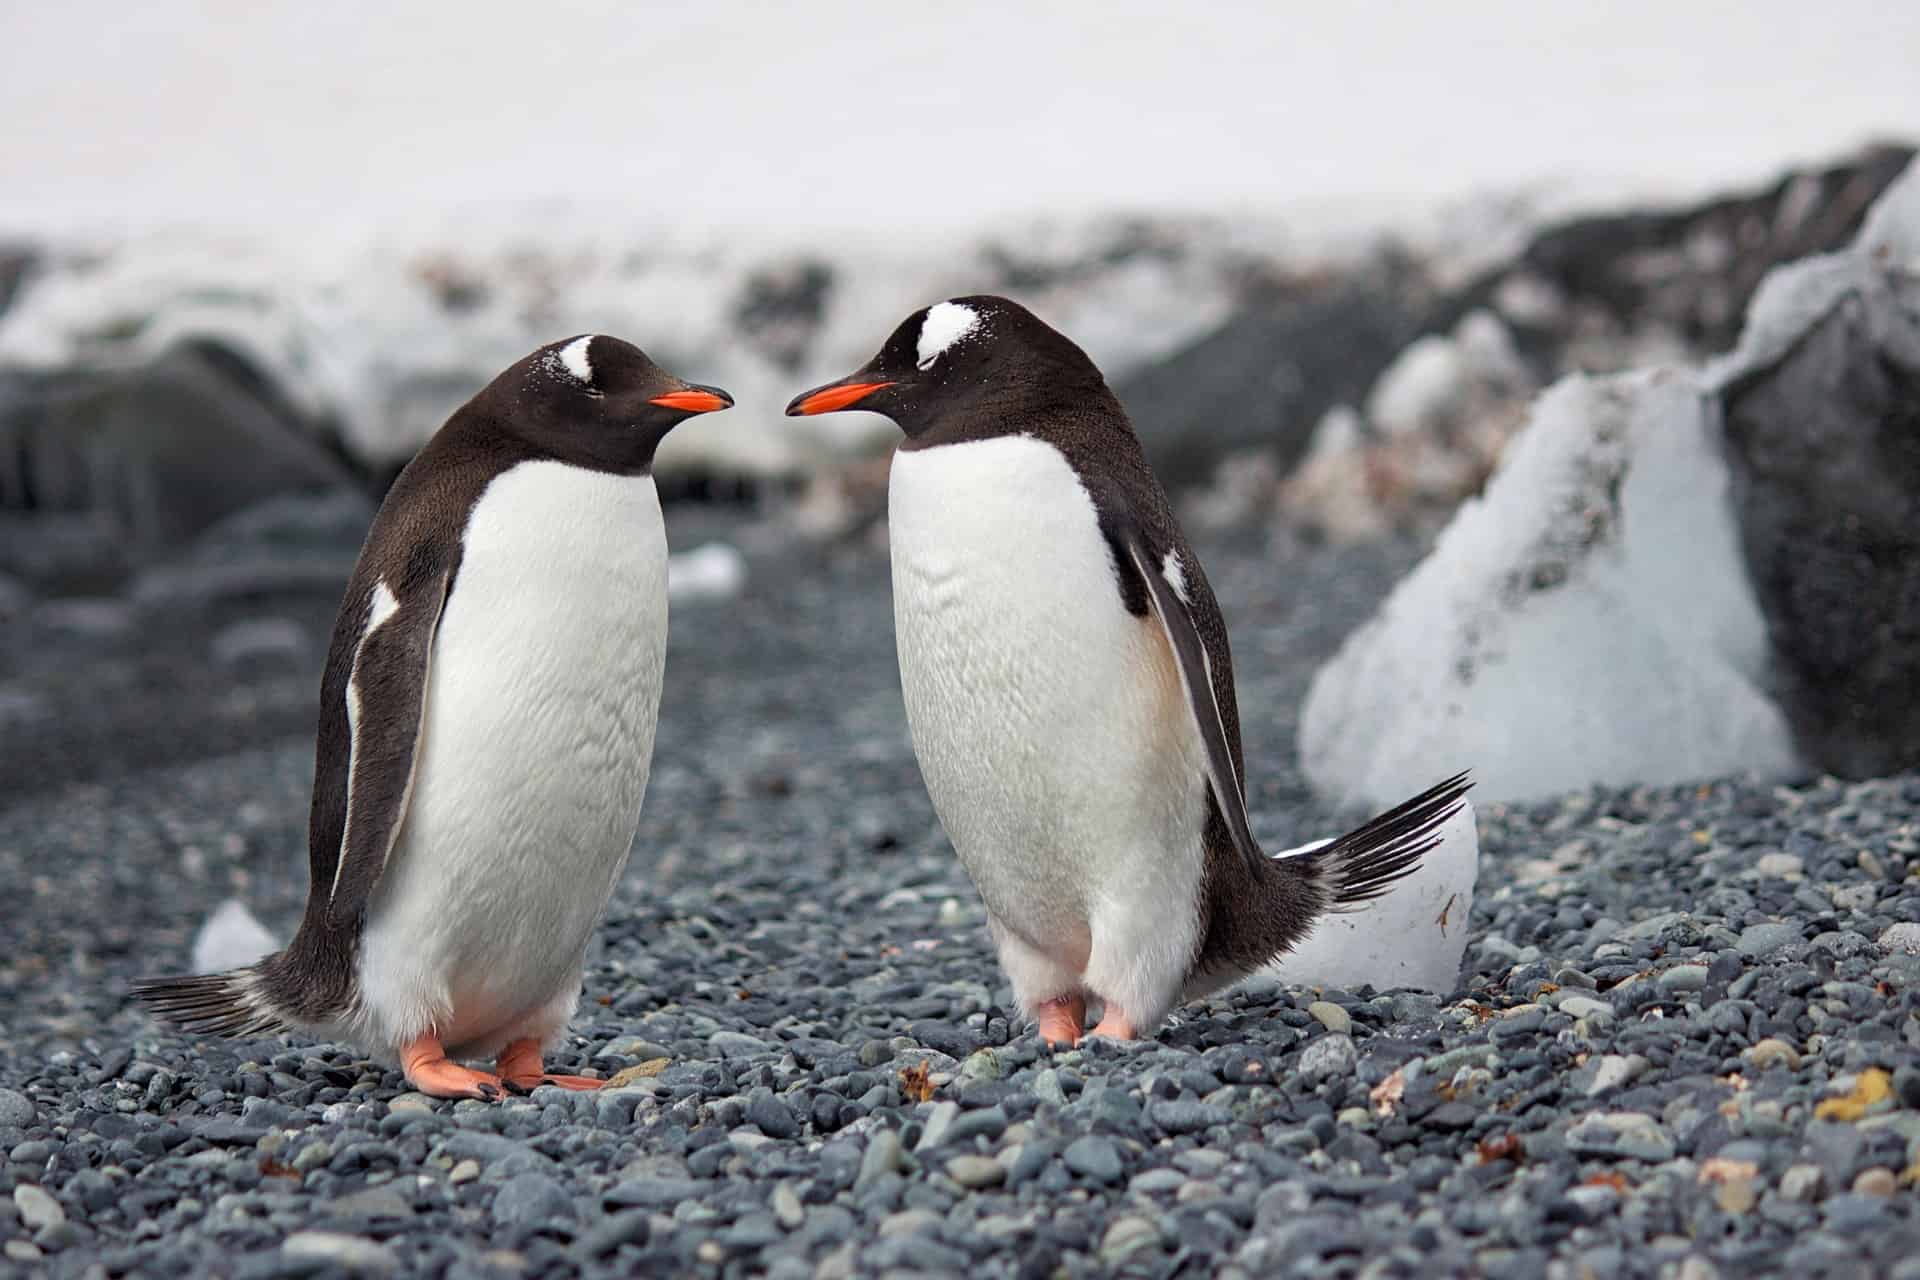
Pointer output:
904, 116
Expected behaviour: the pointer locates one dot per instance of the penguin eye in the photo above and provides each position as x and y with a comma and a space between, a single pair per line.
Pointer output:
946, 323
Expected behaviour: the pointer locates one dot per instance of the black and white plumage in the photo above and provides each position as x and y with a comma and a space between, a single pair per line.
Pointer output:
486, 728
1069, 686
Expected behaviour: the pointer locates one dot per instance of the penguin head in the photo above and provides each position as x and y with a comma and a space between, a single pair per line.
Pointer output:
595, 401
962, 360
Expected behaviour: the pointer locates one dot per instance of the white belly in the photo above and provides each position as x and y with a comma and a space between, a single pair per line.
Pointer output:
539, 728
1049, 722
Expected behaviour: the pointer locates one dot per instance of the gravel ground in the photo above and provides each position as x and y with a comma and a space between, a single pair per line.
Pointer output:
1687, 1043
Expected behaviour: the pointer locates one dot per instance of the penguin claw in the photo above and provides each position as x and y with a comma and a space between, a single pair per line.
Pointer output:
515, 1088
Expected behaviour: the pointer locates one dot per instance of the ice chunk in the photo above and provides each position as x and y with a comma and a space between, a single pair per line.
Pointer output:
711, 572
1589, 619
1413, 936
1422, 390
230, 939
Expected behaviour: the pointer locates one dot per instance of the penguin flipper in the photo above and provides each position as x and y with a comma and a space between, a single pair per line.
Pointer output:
1196, 678
389, 671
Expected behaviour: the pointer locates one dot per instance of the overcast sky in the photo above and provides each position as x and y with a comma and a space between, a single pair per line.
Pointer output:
909, 114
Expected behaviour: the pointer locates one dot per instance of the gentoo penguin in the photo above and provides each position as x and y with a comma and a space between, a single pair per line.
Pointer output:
1068, 686
486, 728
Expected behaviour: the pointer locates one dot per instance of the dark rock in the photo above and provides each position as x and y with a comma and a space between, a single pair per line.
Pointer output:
17, 262
953, 1040
1689, 272
780, 310
1185, 1117
1450, 1117
132, 464
630, 1227
1824, 447
775, 1118
1265, 377
652, 1193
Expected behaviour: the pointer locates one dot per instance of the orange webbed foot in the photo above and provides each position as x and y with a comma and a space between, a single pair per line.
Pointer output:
1062, 1020
429, 1070
1115, 1025
520, 1066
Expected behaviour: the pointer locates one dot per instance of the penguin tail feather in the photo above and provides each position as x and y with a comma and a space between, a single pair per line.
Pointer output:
1365, 863
234, 1003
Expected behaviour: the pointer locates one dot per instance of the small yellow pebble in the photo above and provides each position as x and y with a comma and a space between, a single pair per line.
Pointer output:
1872, 1086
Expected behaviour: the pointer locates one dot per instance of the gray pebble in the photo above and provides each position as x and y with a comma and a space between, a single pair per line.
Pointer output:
1126, 1237
786, 1206
1762, 940
647, 1192
1332, 1054
736, 1044
1802, 1183
1175, 1116
1587, 1008
632, 1226
16, 1109
774, 1117
1094, 1157
1902, 938
882, 1157
531, 1198
939, 1119
1683, 977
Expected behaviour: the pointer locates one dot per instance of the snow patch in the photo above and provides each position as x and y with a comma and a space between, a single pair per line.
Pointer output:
1794, 298
716, 571
380, 339
1422, 390
230, 939
1413, 936
1588, 620
945, 324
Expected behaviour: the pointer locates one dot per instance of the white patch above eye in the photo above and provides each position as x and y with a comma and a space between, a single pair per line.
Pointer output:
1176, 575
946, 324
573, 358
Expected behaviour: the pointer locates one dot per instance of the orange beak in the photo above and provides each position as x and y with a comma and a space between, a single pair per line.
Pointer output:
695, 400
839, 395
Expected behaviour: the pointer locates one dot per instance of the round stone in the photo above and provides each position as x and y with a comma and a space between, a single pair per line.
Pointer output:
1331, 1016
1771, 1052
974, 1172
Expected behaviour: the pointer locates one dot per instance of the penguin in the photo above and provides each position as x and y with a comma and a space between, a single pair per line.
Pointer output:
486, 729
1068, 686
